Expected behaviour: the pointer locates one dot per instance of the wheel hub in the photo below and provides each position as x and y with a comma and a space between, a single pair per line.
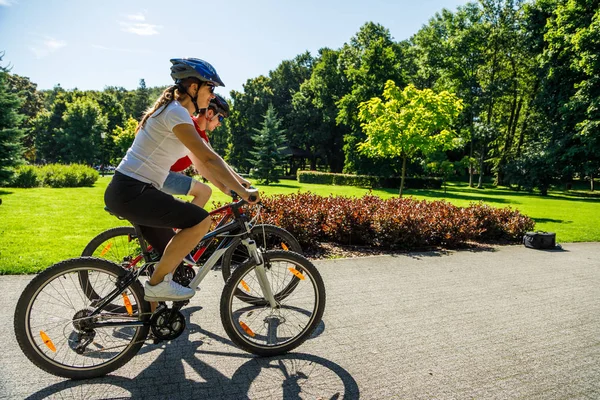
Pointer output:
81, 322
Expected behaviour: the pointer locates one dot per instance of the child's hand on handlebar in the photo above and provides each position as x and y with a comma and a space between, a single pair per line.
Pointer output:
251, 195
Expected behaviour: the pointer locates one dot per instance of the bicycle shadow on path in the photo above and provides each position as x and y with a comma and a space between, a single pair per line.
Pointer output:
179, 372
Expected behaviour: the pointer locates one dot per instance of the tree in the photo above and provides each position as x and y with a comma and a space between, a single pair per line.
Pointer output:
123, 138
317, 99
269, 144
32, 103
141, 100
247, 109
408, 122
11, 150
81, 135
368, 62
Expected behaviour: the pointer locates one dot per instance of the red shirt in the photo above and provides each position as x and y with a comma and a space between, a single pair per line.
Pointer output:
184, 162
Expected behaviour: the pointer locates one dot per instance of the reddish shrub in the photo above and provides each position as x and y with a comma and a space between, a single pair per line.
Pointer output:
391, 224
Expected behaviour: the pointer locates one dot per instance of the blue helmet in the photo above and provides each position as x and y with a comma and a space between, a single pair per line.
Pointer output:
194, 67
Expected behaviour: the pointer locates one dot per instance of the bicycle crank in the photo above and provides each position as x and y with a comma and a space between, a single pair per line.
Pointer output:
167, 324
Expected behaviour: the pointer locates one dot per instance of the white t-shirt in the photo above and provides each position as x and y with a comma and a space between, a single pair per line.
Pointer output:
155, 147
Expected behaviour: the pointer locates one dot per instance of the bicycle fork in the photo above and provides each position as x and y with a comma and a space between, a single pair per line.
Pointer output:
261, 273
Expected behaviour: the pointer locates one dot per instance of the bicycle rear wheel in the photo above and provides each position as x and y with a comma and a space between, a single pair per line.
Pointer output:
54, 328
253, 325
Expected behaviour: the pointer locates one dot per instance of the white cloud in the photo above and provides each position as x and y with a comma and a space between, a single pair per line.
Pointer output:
46, 46
6, 3
134, 17
140, 28
122, 50
136, 24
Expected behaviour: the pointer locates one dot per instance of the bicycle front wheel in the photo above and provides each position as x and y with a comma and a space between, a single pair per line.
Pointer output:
268, 237
56, 331
253, 325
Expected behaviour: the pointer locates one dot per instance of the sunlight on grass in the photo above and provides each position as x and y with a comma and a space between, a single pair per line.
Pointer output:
41, 226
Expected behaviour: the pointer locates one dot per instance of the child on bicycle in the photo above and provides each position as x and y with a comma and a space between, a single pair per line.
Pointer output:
177, 183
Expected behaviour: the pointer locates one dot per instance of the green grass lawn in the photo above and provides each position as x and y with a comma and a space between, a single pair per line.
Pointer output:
41, 226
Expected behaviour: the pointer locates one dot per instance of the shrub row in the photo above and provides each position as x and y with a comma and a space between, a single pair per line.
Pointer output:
54, 175
404, 224
327, 178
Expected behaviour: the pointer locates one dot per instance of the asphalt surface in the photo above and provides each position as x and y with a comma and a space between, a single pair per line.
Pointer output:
497, 323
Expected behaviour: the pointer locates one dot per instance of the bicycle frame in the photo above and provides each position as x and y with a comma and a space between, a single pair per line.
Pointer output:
238, 224
196, 256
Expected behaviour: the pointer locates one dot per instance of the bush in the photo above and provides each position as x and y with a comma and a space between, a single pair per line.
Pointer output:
405, 224
327, 178
55, 175
26, 176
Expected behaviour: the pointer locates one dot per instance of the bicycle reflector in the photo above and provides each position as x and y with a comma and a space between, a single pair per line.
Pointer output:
47, 341
247, 329
297, 273
127, 304
283, 246
245, 286
106, 249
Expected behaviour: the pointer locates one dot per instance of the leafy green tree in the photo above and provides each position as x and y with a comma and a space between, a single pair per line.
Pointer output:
317, 99
11, 150
115, 114
123, 138
141, 100
81, 134
269, 144
32, 103
408, 122
247, 110
566, 108
368, 62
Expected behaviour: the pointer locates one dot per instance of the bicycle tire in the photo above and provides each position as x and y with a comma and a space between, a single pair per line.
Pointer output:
118, 245
269, 237
27, 312
95, 247
246, 326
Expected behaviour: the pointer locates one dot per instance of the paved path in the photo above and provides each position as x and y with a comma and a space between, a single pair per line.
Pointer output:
501, 323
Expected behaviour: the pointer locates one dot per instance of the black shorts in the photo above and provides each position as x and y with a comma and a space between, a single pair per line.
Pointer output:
155, 211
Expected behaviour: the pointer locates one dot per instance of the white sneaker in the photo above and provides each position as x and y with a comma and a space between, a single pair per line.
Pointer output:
167, 290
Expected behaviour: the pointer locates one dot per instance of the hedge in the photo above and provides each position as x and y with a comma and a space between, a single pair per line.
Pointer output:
327, 178
398, 223
54, 175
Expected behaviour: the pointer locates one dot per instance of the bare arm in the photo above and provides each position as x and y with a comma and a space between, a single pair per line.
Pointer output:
211, 160
205, 172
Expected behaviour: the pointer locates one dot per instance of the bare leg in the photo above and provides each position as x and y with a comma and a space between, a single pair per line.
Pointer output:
201, 193
180, 246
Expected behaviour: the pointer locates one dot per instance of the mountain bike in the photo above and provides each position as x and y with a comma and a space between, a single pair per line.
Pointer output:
69, 332
120, 245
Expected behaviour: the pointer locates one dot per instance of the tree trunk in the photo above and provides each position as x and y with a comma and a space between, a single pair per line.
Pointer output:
403, 175
481, 161
526, 118
592, 182
471, 166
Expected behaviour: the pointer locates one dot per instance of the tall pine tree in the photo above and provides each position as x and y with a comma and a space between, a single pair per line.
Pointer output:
11, 149
269, 144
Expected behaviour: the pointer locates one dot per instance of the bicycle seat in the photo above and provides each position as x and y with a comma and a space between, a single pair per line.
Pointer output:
113, 214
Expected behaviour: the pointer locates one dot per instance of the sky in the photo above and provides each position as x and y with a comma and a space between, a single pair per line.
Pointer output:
89, 44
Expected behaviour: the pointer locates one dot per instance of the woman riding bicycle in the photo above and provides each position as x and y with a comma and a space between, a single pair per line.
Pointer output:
165, 134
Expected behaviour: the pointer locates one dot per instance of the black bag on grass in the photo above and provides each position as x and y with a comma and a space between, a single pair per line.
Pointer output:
540, 240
